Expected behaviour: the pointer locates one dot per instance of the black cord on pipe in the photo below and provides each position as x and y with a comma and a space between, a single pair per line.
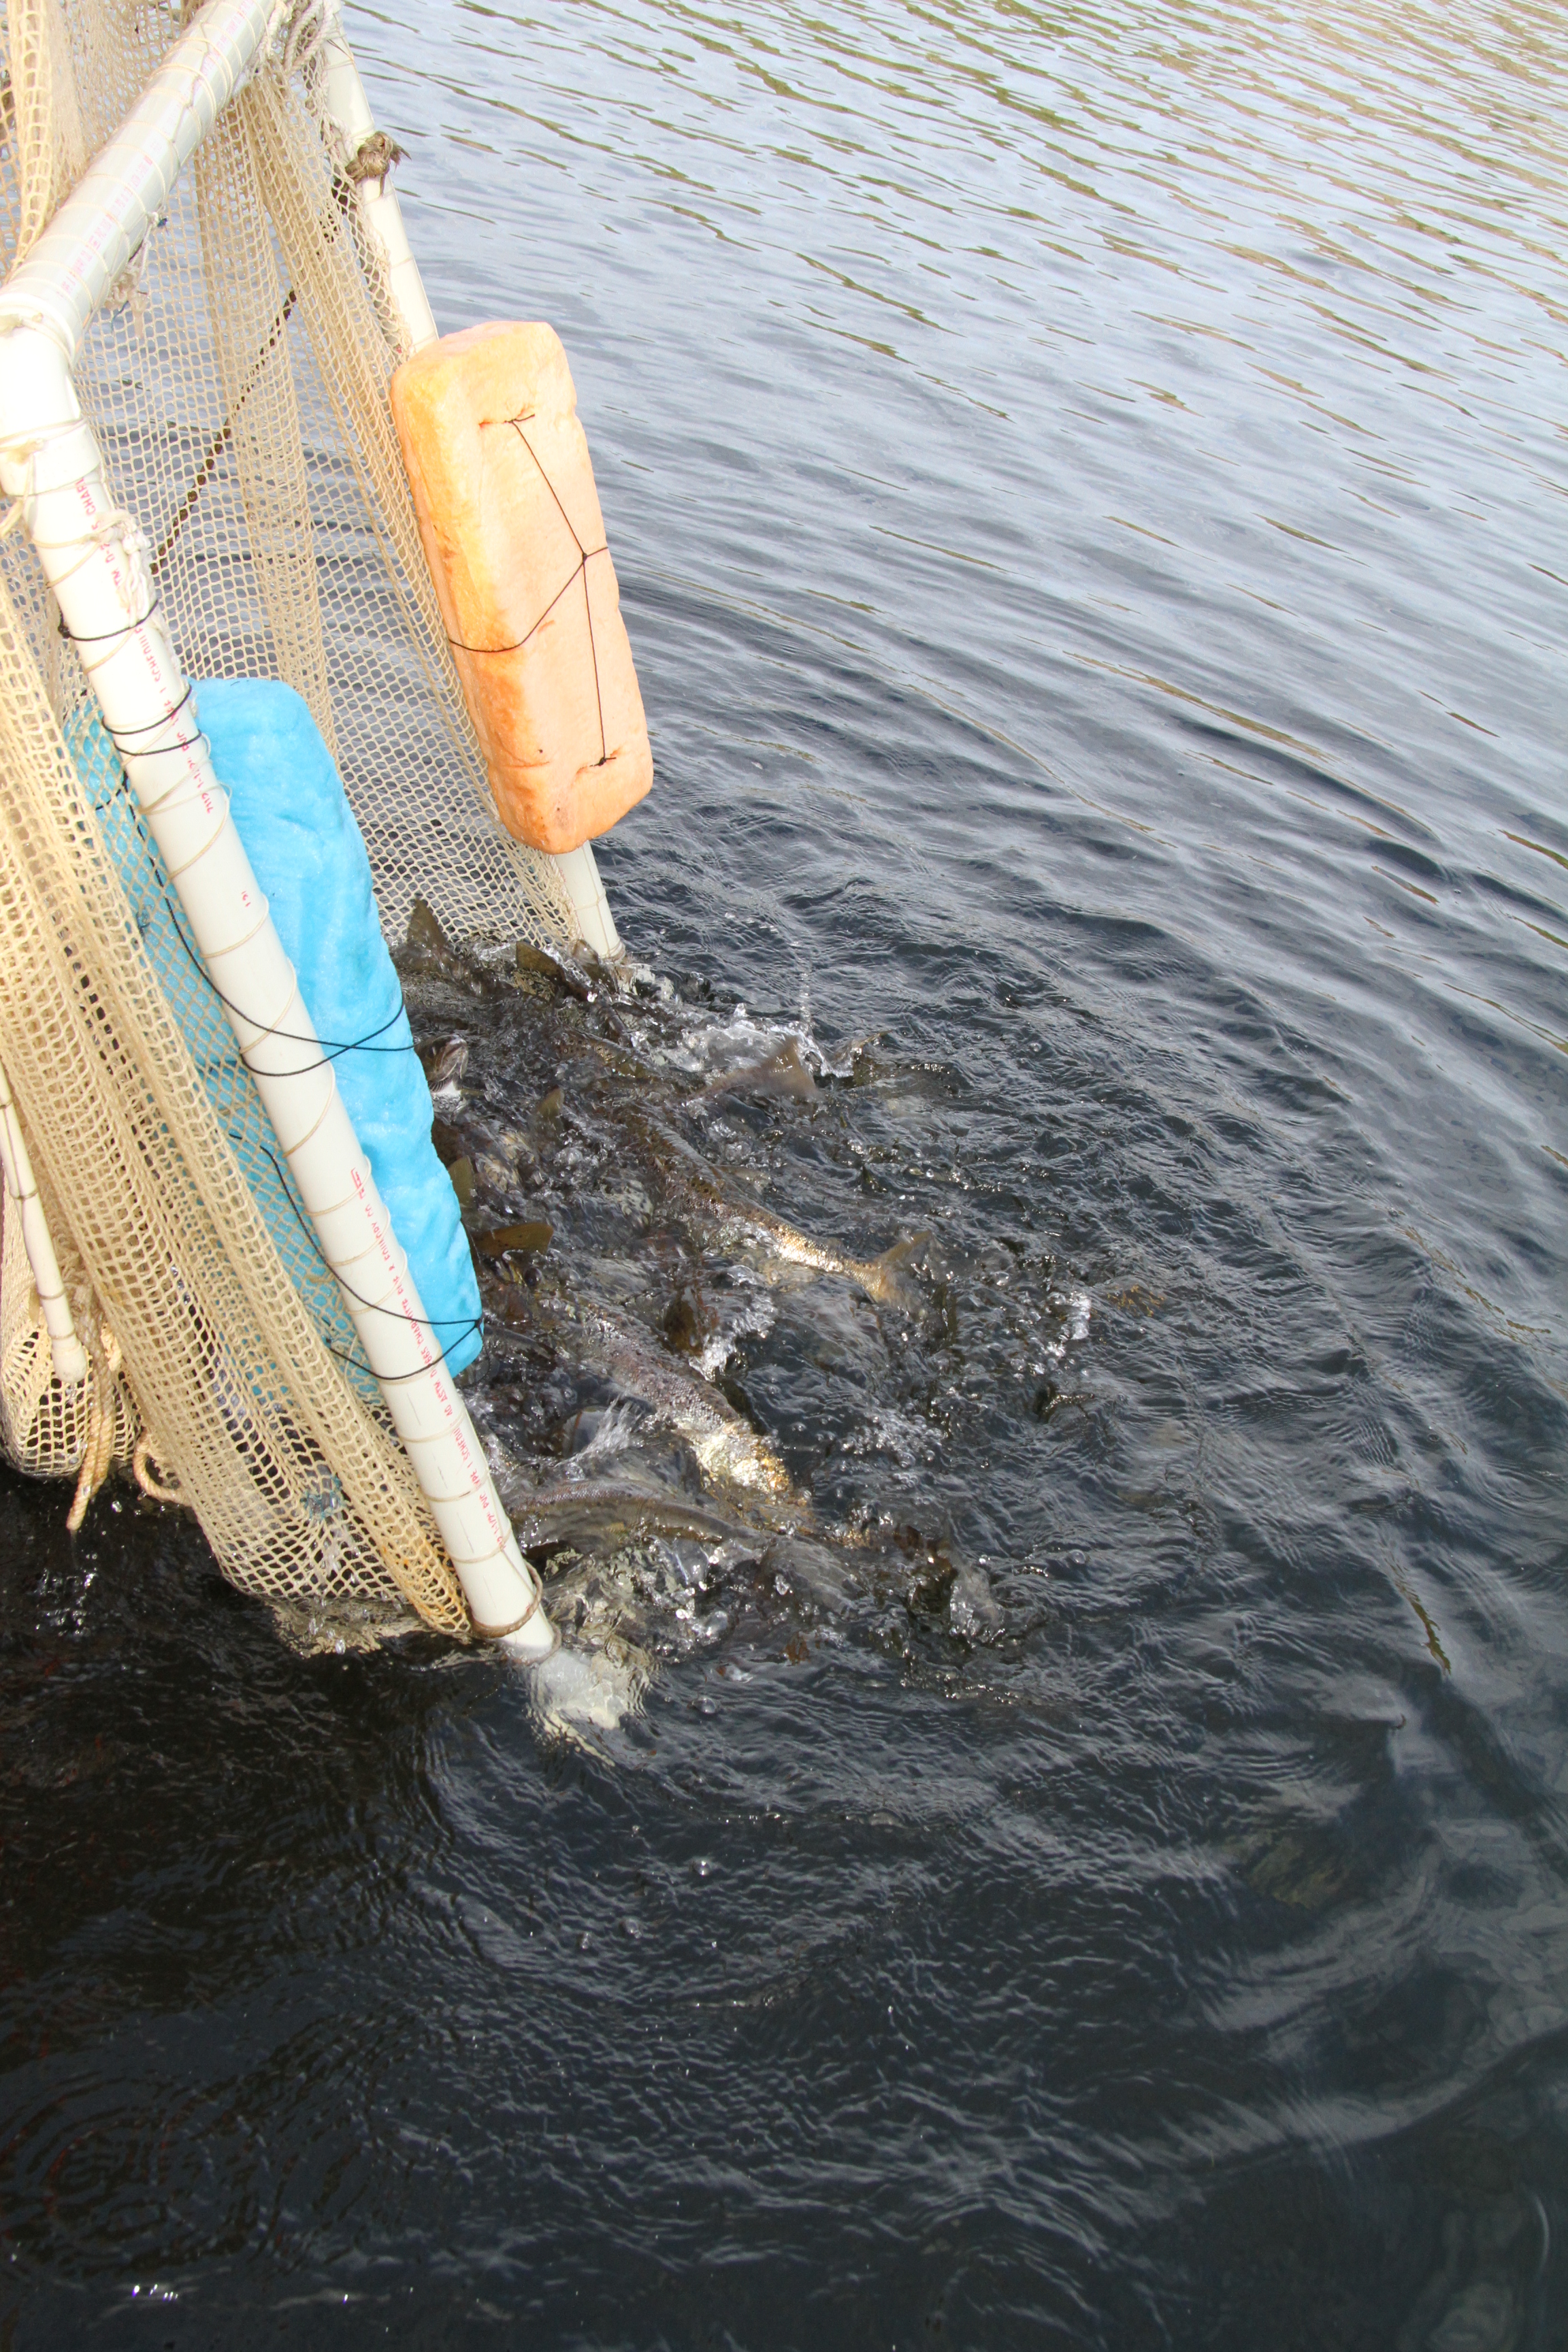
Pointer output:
470, 1323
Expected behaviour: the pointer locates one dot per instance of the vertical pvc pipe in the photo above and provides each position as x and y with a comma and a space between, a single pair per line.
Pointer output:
595, 926
66, 1351
343, 97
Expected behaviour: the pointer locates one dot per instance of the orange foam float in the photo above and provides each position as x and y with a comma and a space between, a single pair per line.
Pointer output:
503, 489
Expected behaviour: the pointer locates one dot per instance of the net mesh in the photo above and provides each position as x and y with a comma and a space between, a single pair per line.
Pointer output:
237, 380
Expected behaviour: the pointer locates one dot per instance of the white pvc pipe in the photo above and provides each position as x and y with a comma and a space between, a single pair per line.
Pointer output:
593, 923
343, 97
70, 1355
96, 231
49, 458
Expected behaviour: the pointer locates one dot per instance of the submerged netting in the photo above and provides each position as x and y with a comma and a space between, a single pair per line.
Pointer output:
237, 380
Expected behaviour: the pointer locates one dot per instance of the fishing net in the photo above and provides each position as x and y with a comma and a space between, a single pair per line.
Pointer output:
237, 381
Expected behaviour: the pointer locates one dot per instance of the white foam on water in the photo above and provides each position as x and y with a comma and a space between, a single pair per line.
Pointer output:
575, 1693
753, 1319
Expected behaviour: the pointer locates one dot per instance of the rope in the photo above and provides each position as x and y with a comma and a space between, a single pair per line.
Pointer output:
225, 434
110, 527
337, 1046
27, 446
579, 572
533, 1606
141, 1463
98, 1454
126, 291
298, 33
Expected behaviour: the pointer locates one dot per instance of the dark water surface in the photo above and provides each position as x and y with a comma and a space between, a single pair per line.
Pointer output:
1089, 494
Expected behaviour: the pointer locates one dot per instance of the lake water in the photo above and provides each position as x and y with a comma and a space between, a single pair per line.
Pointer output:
1088, 489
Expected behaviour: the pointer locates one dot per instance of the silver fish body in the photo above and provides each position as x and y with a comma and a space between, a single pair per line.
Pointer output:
726, 1445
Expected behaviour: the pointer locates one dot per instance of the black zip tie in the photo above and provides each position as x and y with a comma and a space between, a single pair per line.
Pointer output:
123, 786
393, 1379
371, 1306
98, 637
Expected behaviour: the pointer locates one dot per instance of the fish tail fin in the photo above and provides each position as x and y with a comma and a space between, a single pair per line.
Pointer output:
888, 1277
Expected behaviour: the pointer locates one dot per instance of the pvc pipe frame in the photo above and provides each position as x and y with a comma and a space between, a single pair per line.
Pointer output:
342, 96
90, 554
70, 1355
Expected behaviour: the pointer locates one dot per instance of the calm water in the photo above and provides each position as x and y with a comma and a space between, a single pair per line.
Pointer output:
1088, 493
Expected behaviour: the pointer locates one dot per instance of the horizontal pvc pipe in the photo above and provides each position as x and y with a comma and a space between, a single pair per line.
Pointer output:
69, 1354
49, 458
101, 223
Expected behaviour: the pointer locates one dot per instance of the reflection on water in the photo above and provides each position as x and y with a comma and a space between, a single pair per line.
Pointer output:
1087, 488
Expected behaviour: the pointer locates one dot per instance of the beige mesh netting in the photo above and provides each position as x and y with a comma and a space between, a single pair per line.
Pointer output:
237, 380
